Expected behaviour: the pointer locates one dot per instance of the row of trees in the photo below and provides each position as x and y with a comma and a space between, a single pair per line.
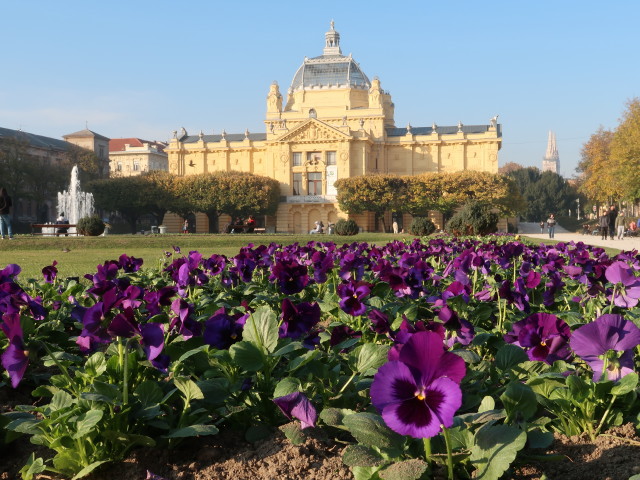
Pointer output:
420, 194
543, 192
234, 193
610, 163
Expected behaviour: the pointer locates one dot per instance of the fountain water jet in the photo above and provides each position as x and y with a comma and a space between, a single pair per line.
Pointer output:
75, 203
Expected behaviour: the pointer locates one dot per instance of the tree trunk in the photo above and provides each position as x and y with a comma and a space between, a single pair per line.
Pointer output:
212, 216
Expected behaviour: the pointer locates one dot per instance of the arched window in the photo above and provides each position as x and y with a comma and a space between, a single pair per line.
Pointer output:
312, 113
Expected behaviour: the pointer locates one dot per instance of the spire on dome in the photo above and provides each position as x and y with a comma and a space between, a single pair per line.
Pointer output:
332, 42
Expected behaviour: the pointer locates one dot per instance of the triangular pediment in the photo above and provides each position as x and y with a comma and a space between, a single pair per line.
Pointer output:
313, 130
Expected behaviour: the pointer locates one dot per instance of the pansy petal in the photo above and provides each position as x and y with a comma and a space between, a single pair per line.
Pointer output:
424, 351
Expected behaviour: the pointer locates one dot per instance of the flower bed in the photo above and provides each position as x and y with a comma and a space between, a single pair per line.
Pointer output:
453, 357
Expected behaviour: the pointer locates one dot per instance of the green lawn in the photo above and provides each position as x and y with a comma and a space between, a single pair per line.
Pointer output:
79, 255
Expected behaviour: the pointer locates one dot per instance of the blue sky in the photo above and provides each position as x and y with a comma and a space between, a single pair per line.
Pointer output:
145, 68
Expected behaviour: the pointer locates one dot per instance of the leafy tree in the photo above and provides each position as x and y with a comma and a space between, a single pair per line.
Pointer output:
371, 193
243, 194
160, 193
125, 195
87, 161
474, 218
14, 156
598, 180
509, 167
423, 193
204, 192
625, 153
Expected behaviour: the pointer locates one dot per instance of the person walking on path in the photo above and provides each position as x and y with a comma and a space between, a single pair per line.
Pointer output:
551, 225
542, 226
5, 218
185, 226
613, 214
621, 220
603, 223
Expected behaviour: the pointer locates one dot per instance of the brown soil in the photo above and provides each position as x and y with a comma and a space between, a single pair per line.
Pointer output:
614, 456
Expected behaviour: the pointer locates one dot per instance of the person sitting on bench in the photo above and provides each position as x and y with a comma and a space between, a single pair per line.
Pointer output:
61, 220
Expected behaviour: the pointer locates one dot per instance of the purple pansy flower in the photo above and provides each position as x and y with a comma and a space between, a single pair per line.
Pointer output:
298, 320
543, 335
351, 295
50, 273
16, 357
222, 330
297, 405
610, 339
291, 276
420, 392
626, 284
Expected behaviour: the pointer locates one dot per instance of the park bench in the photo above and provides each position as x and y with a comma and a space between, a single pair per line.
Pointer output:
242, 228
54, 226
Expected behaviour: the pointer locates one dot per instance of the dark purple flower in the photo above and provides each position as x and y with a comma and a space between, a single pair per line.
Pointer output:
16, 357
379, 322
50, 273
130, 264
611, 339
340, 333
351, 295
184, 321
297, 405
222, 330
291, 276
420, 392
322, 262
544, 336
298, 320
157, 299
92, 332
626, 284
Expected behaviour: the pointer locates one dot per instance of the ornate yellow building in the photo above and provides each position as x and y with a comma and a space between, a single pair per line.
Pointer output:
334, 123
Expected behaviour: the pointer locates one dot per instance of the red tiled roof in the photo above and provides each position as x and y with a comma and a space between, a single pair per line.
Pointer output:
118, 144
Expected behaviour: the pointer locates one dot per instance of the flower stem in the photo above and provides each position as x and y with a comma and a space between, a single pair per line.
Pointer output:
427, 449
447, 442
604, 416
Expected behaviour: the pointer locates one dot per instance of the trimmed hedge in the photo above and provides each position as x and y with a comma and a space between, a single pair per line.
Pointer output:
90, 226
346, 227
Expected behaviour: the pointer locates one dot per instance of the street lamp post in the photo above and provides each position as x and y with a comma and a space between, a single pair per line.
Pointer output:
578, 200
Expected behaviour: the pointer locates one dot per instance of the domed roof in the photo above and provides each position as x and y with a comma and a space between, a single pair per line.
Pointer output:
330, 70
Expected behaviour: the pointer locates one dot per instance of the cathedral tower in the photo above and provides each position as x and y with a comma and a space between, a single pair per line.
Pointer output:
551, 160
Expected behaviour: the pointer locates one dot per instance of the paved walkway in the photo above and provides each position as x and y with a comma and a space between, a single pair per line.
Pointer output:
562, 235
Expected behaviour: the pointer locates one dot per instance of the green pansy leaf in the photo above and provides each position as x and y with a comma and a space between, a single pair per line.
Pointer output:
494, 450
365, 473
261, 329
60, 400
192, 431
509, 356
247, 355
361, 456
519, 402
334, 416
370, 430
86, 422
286, 386
626, 384
32, 468
149, 393
188, 388
369, 356
536, 438
488, 403
88, 469
294, 433
95, 365
406, 470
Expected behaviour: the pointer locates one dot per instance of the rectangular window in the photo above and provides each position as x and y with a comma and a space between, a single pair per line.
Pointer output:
297, 184
297, 159
314, 183
331, 158
101, 150
136, 166
119, 167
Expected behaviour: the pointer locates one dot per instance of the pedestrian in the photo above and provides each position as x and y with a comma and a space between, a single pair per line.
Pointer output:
395, 226
62, 220
603, 223
551, 225
620, 224
185, 226
541, 226
5, 218
613, 214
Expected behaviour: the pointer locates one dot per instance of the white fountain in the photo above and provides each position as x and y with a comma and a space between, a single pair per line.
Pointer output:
75, 203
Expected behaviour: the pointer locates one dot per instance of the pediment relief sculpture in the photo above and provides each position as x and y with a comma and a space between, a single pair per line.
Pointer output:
314, 131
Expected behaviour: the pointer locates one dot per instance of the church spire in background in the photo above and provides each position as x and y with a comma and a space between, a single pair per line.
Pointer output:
551, 160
